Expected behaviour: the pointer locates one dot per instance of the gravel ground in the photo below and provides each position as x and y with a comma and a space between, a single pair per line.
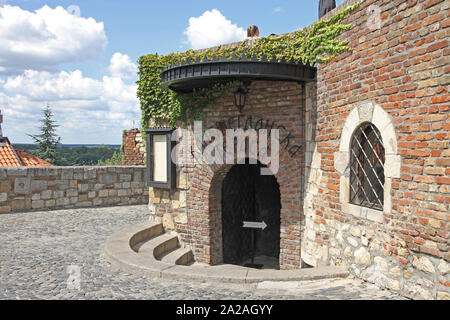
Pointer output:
40, 250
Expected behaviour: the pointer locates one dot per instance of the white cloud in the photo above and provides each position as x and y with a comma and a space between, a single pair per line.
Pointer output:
212, 29
46, 86
122, 67
46, 38
87, 110
278, 10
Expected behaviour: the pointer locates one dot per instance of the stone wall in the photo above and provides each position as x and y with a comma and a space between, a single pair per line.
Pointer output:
133, 148
397, 78
39, 188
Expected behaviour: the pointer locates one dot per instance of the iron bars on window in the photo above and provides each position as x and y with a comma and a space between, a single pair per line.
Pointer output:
367, 167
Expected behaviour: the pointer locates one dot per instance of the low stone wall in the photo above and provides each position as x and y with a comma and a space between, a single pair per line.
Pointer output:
43, 188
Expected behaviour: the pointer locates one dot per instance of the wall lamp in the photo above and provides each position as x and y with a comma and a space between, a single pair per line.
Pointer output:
240, 98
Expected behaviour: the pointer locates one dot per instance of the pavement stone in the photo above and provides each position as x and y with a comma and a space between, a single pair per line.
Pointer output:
36, 249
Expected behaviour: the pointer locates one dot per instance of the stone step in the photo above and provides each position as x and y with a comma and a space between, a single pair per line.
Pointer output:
159, 245
148, 230
180, 256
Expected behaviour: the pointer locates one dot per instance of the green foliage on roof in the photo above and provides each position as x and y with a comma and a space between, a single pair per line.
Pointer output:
315, 44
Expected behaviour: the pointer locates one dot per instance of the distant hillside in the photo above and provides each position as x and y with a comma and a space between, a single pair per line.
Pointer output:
71, 146
77, 154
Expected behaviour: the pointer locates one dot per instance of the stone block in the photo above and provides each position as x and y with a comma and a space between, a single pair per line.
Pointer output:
181, 218
47, 172
417, 292
50, 203
155, 195
126, 185
167, 221
444, 267
71, 193
103, 193
17, 172
125, 177
393, 165
424, 264
137, 185
3, 196
78, 174
183, 181
58, 194
365, 111
84, 187
90, 173
138, 175
352, 241
98, 186
341, 160
22, 185
38, 204
441, 295
62, 202
38, 185
46, 194
108, 178
4, 209
362, 256
355, 231
67, 174
5, 186
17, 205
73, 184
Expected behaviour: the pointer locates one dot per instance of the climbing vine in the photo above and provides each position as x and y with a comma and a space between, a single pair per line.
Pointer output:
316, 44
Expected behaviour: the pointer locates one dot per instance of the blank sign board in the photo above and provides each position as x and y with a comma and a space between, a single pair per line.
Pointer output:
160, 158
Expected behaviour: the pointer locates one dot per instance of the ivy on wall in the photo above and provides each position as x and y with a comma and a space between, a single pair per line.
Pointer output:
316, 44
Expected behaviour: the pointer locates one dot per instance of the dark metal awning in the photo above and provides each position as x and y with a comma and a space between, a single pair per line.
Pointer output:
185, 77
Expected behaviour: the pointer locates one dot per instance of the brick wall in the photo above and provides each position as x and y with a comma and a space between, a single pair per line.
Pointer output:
25, 189
133, 152
194, 208
402, 67
397, 77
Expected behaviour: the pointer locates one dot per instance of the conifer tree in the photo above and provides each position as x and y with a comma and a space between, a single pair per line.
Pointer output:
48, 140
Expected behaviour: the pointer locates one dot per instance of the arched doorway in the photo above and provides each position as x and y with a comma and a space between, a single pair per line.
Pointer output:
249, 196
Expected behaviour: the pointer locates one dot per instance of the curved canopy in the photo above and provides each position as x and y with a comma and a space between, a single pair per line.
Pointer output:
185, 77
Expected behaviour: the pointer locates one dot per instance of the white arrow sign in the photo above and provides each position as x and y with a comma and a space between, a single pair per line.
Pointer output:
255, 225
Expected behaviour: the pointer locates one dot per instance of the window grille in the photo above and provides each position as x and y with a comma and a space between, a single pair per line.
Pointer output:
367, 167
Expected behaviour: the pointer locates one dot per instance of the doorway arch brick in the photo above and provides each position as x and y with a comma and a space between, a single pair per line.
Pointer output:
206, 220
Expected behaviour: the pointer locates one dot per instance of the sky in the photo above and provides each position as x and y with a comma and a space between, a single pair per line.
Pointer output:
80, 57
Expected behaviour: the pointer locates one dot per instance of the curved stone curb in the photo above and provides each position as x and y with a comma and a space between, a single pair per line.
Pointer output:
119, 253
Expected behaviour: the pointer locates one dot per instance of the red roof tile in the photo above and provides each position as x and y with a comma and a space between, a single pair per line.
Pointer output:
16, 158
31, 161
8, 158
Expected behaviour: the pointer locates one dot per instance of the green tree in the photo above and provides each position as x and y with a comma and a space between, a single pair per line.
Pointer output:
48, 140
115, 160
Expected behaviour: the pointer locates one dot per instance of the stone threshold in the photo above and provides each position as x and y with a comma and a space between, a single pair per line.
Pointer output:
118, 253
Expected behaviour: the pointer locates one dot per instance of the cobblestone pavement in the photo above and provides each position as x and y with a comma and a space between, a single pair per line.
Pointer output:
37, 248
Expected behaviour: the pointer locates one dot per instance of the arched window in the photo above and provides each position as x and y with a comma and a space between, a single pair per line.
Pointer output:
367, 167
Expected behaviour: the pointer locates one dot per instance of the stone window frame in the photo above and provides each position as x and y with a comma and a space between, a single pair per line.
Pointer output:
365, 172
368, 112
